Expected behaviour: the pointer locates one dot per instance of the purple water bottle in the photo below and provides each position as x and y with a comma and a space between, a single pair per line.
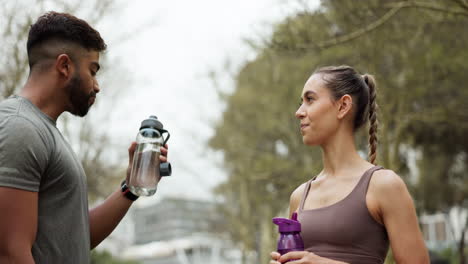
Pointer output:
290, 234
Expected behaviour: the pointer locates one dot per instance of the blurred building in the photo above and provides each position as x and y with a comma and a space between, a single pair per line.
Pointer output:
180, 231
444, 230
175, 218
436, 231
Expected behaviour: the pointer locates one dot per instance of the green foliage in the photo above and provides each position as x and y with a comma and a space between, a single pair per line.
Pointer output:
419, 60
389, 259
448, 255
104, 257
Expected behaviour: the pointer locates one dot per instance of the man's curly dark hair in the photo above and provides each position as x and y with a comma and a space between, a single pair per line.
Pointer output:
56, 32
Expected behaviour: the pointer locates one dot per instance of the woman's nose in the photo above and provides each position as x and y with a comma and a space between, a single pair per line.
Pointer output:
300, 113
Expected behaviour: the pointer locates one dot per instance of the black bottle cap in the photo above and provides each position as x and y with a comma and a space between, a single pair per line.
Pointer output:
151, 122
165, 169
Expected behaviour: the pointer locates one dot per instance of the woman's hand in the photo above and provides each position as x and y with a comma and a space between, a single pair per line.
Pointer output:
274, 257
301, 257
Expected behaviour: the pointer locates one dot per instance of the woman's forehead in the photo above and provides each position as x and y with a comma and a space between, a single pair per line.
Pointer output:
315, 84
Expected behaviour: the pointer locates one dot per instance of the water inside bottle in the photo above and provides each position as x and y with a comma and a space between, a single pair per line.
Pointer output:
145, 172
141, 191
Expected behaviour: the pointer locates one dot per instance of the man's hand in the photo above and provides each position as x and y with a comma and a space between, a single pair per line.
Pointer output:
164, 151
131, 152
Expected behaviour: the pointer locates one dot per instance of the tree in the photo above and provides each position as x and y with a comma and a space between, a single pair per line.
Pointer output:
257, 142
417, 55
105, 257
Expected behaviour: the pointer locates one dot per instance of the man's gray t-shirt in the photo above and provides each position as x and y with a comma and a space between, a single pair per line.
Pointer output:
35, 157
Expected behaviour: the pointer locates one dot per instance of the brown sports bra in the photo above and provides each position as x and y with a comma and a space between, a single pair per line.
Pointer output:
345, 231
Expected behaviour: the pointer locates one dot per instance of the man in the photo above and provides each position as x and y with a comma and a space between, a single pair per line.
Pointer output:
43, 196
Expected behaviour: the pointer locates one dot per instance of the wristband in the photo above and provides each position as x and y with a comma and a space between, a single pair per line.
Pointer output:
127, 193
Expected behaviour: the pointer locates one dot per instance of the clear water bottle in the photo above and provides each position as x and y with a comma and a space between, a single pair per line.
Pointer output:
146, 168
290, 235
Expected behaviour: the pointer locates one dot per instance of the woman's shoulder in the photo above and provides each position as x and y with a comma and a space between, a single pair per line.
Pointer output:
299, 191
387, 182
296, 196
387, 194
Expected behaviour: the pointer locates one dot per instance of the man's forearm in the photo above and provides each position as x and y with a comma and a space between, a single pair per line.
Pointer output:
104, 218
16, 258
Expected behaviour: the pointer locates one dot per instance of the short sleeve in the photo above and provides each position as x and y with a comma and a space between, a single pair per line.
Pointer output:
23, 154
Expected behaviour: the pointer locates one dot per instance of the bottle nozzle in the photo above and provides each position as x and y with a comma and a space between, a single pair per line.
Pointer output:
294, 216
288, 225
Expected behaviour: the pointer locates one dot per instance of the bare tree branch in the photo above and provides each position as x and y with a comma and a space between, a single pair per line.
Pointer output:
462, 3
395, 8
433, 7
358, 33
351, 36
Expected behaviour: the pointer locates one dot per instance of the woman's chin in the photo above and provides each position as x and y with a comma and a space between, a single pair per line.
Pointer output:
310, 142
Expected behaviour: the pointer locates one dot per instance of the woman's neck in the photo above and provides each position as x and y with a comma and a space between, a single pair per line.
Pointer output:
339, 155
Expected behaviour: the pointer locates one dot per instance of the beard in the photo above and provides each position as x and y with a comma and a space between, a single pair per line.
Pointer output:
79, 99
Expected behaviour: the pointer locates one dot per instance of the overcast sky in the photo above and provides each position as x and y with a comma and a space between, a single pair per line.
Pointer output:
168, 63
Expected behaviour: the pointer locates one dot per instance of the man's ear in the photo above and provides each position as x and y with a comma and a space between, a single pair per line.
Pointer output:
344, 104
63, 65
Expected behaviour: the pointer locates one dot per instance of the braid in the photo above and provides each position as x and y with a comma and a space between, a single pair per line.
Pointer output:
369, 79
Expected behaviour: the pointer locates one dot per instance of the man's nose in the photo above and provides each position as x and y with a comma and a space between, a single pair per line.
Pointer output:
96, 87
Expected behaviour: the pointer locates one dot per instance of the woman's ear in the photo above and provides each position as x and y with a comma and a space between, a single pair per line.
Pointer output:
345, 104
63, 65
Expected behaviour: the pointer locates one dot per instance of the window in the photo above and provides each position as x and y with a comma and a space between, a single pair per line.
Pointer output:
425, 230
440, 230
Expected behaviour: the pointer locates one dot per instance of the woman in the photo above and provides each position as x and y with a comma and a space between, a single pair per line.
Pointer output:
352, 210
